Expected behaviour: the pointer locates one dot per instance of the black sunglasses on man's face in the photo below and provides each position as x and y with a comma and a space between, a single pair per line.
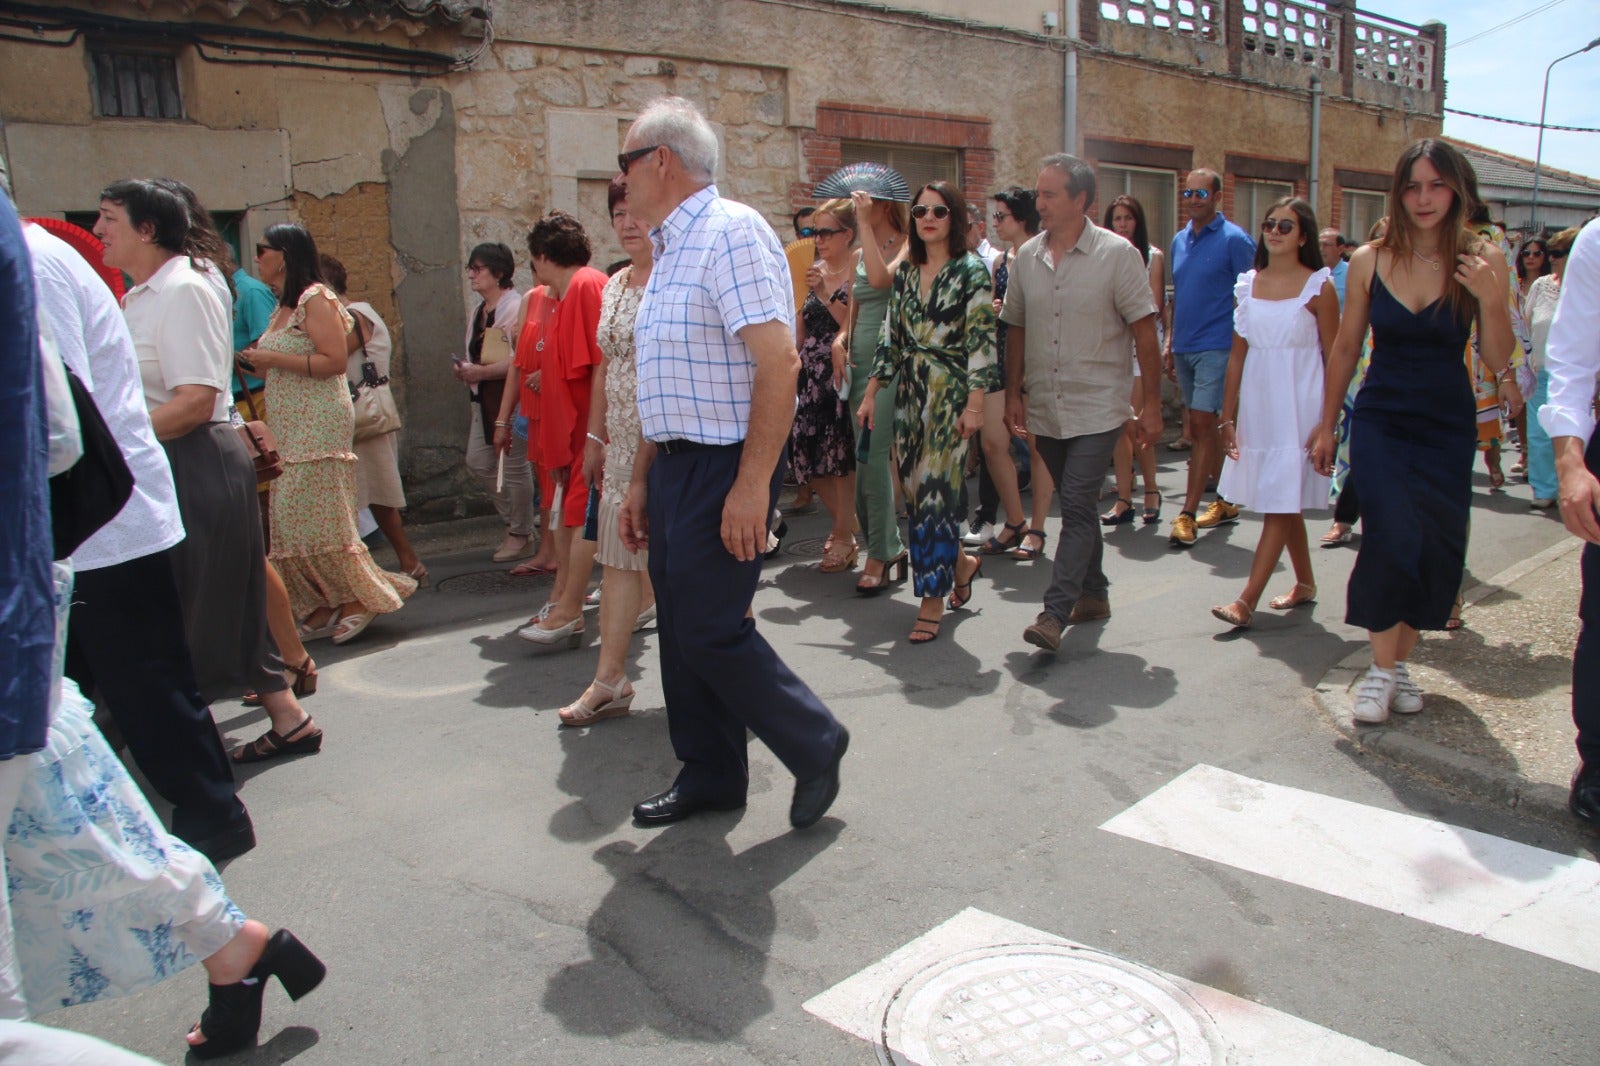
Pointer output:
627, 159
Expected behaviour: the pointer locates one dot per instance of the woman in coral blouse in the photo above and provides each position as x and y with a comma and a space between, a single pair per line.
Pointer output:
554, 378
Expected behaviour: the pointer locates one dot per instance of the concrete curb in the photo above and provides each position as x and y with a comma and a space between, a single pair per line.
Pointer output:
1451, 768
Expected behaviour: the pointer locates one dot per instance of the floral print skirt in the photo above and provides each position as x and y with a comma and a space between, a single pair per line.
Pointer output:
104, 902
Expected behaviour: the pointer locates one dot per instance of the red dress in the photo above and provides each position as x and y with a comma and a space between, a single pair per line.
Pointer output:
559, 341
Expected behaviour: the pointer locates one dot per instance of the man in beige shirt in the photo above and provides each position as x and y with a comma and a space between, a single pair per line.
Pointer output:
1077, 303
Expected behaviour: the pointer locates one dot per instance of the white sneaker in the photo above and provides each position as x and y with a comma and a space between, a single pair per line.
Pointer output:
978, 535
1374, 693
593, 599
1407, 696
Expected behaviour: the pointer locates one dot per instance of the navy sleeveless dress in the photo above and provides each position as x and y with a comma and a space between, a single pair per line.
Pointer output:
1412, 444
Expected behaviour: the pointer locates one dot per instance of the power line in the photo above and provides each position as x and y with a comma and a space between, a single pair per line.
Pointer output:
1522, 122
1506, 24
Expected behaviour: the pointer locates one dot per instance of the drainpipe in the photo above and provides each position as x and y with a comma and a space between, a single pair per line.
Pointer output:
1316, 145
1069, 102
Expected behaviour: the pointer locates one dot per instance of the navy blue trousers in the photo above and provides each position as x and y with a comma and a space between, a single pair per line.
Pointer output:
719, 675
1586, 659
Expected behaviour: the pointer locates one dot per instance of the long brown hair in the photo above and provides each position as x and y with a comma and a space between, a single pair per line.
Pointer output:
1454, 236
1310, 253
956, 244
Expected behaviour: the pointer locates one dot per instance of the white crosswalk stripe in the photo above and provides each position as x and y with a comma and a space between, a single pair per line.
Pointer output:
1536, 900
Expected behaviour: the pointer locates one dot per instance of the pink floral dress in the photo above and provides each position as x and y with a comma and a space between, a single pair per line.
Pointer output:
315, 545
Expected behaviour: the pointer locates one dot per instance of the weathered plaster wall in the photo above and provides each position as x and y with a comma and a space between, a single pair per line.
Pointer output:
1217, 116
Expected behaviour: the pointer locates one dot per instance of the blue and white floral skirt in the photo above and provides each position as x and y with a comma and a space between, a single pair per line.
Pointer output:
104, 901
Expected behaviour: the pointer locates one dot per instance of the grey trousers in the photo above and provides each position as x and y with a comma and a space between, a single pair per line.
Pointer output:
515, 501
1078, 465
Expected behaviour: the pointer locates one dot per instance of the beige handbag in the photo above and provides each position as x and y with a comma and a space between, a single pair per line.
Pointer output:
376, 413
496, 348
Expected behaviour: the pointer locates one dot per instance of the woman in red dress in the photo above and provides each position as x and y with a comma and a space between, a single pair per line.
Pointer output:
553, 378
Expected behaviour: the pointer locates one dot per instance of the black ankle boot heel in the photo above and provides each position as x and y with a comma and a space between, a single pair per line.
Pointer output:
298, 971
232, 1021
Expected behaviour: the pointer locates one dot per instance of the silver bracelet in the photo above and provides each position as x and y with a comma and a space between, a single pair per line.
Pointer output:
596, 439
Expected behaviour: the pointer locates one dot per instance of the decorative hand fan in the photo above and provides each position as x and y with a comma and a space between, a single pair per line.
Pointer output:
877, 180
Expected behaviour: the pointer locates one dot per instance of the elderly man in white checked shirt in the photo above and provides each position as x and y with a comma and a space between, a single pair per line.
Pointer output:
717, 376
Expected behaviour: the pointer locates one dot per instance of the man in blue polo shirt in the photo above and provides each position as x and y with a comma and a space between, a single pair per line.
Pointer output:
1208, 255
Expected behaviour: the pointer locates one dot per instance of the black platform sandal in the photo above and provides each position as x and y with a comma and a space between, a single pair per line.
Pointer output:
996, 546
1027, 554
232, 1022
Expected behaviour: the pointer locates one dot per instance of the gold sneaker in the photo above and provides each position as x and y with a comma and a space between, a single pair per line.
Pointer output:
1183, 534
1219, 513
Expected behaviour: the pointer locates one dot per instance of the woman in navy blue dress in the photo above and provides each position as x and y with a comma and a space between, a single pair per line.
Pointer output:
1420, 289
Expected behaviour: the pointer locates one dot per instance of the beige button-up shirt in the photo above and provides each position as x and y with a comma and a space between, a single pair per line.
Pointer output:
1078, 351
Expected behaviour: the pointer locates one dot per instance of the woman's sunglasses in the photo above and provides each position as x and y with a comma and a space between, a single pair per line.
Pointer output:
938, 211
262, 248
1531, 252
1556, 253
824, 231
1284, 226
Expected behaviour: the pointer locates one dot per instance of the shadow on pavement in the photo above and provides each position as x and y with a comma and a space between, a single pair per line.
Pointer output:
940, 675
681, 941
1134, 681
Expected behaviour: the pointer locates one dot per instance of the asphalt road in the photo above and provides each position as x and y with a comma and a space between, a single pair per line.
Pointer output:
472, 877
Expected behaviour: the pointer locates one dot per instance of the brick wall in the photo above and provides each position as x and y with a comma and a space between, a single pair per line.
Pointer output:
353, 227
837, 122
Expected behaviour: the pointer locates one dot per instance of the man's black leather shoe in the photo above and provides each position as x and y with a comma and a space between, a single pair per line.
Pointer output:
813, 798
228, 843
1585, 798
673, 806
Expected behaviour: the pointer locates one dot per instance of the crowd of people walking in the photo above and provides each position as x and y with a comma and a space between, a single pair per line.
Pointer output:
646, 420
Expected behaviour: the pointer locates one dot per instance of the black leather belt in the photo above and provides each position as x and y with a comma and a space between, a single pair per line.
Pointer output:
678, 447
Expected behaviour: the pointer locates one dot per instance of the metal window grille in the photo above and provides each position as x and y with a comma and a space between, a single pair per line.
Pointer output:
1361, 211
133, 84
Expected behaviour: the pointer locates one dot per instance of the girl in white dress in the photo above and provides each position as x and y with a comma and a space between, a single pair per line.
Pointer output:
1285, 318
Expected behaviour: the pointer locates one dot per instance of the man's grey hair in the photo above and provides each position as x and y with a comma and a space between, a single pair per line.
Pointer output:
679, 125
1080, 176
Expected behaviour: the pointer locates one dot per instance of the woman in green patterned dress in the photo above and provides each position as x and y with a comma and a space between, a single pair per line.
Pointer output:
941, 352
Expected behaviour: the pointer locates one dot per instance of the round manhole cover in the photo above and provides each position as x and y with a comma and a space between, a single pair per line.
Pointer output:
1046, 1004
810, 548
492, 581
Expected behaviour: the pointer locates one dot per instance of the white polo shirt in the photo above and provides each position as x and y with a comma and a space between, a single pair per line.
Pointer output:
93, 339
183, 333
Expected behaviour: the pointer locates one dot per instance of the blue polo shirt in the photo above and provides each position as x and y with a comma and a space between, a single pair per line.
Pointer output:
1340, 269
1205, 266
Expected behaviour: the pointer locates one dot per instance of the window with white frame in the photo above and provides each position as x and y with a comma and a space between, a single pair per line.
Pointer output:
1361, 212
918, 165
1253, 199
1156, 191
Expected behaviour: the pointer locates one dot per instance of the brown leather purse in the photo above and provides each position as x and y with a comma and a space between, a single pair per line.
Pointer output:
259, 441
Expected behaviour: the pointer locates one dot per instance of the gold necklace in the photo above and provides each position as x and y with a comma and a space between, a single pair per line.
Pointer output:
1431, 262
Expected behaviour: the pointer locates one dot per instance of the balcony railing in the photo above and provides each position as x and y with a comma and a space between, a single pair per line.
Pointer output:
1200, 19
1327, 36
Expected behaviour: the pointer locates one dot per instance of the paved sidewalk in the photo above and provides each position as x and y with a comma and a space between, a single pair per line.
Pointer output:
1497, 710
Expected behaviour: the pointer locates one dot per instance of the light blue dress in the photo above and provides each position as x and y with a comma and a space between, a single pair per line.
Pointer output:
104, 901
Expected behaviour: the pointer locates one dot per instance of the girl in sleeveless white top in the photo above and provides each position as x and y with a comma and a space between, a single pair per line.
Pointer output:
1285, 317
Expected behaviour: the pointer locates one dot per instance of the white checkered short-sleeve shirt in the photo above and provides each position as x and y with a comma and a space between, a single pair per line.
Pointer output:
719, 268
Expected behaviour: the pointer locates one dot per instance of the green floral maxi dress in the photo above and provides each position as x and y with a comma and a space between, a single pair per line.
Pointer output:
938, 351
315, 544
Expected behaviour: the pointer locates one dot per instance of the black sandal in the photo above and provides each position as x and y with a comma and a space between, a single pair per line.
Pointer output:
957, 600
996, 546
1115, 517
1152, 514
1027, 554
925, 636
272, 745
